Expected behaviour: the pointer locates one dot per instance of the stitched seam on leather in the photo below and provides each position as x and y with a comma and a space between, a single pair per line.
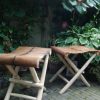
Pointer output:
14, 59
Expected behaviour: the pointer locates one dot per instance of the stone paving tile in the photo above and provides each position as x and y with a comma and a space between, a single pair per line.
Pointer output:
77, 91
75, 94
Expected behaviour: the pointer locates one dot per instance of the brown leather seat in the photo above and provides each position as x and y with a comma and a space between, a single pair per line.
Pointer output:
63, 54
24, 56
72, 50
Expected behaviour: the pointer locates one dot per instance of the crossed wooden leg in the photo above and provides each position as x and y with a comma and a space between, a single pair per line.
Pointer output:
11, 86
74, 70
38, 83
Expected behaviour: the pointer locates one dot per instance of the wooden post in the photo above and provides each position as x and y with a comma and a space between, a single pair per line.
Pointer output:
34, 74
12, 71
11, 86
23, 96
42, 80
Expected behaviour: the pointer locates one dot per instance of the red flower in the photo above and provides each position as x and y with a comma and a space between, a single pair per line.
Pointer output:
64, 24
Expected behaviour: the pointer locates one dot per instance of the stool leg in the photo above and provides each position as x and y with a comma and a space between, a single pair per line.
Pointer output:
57, 73
76, 70
66, 64
12, 71
77, 75
42, 80
11, 86
34, 75
69, 64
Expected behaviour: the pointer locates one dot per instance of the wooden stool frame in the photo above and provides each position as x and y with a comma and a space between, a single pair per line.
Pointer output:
38, 83
73, 69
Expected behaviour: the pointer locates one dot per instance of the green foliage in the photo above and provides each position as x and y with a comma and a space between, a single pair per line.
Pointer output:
10, 37
80, 5
21, 16
16, 21
4, 36
86, 35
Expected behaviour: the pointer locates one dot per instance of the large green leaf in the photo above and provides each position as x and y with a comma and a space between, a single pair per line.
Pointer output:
86, 35
69, 40
79, 8
97, 1
59, 41
66, 7
85, 5
84, 8
89, 3
75, 41
96, 44
83, 40
73, 2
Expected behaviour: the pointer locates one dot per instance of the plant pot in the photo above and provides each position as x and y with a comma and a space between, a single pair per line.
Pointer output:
53, 66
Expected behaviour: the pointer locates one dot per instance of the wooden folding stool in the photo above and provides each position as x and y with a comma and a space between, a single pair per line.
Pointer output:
29, 57
63, 54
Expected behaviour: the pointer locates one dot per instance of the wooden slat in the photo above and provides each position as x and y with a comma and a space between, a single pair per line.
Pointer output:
57, 73
23, 96
63, 78
27, 83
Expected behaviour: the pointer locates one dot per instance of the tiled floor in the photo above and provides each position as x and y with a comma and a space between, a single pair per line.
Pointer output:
77, 92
